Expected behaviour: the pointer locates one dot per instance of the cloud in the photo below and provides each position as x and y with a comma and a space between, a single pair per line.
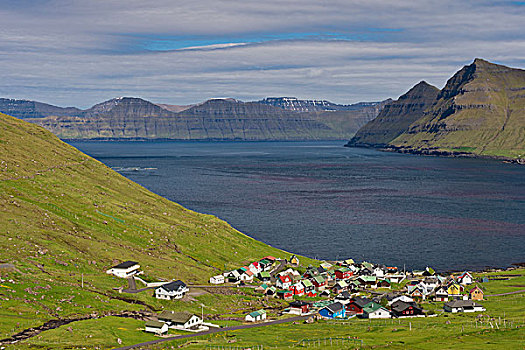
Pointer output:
82, 52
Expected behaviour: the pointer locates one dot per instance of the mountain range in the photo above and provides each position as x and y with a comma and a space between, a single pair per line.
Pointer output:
131, 118
479, 112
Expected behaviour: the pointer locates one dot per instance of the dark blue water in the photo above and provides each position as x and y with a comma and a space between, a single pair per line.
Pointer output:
323, 200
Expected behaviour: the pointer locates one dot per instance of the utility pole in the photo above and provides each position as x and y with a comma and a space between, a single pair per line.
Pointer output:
82, 280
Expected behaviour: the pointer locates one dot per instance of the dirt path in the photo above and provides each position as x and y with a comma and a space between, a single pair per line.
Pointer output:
508, 293
216, 330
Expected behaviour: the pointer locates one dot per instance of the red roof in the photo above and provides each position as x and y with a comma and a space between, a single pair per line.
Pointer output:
269, 257
285, 278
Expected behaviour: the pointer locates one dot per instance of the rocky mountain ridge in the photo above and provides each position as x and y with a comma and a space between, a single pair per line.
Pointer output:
131, 118
479, 112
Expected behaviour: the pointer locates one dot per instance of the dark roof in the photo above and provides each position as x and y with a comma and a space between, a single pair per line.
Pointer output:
461, 303
176, 317
125, 264
400, 306
298, 303
173, 286
343, 295
335, 307
361, 301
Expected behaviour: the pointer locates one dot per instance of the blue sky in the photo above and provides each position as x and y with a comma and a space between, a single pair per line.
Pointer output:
83, 52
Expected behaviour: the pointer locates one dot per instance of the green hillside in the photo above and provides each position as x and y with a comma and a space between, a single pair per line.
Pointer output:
481, 110
64, 214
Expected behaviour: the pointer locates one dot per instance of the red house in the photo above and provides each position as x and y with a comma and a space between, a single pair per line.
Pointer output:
298, 289
356, 305
343, 273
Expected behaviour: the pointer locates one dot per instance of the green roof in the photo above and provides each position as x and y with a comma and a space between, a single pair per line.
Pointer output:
371, 307
343, 269
265, 274
264, 261
307, 283
154, 324
254, 314
319, 279
368, 278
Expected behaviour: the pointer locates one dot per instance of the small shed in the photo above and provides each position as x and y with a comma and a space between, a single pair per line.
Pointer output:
256, 316
219, 279
156, 327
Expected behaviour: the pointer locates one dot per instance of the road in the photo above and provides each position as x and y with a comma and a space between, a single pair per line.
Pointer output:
509, 293
215, 330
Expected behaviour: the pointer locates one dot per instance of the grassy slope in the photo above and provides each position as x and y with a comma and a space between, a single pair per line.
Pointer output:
60, 207
488, 118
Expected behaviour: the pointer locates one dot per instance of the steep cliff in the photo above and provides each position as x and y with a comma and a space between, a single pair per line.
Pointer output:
396, 117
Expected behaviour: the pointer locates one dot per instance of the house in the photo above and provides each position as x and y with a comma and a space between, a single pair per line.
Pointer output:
465, 278
418, 293
441, 294
294, 260
294, 274
255, 316
334, 310
319, 282
310, 272
246, 275
265, 264
368, 281
285, 294
343, 297
349, 262
356, 305
233, 276
255, 267
403, 309
340, 286
454, 289
270, 258
156, 327
463, 306
180, 320
429, 271
326, 265
262, 288
378, 272
283, 281
374, 310
476, 293
299, 307
383, 283
343, 273
309, 288
219, 279
298, 289
171, 290
265, 276
271, 291
325, 293
125, 269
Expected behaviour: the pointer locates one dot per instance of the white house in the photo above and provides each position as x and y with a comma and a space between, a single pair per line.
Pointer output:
255, 316
284, 282
125, 269
233, 276
255, 267
374, 310
180, 320
171, 290
219, 279
156, 327
378, 272
247, 276
463, 306
465, 278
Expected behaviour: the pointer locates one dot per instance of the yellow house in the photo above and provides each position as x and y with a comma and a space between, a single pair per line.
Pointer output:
454, 289
476, 293
294, 260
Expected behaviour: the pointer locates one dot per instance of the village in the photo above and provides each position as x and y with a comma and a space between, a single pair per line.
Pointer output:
333, 290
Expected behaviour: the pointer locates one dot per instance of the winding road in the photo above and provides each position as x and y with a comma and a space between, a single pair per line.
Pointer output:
216, 330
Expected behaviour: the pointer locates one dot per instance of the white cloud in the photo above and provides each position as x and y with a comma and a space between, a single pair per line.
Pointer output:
82, 52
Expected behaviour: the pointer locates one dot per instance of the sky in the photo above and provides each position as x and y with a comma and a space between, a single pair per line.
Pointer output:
80, 52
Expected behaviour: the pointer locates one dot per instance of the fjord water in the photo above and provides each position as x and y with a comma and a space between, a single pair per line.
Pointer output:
323, 200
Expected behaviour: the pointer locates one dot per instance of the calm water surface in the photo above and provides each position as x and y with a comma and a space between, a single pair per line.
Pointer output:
323, 200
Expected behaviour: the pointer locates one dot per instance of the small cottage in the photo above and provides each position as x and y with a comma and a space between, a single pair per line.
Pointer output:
356, 305
374, 310
463, 306
476, 293
465, 278
180, 320
334, 310
441, 294
156, 327
402, 309
294, 260
125, 269
343, 273
298, 289
171, 290
219, 279
284, 282
256, 316
299, 307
